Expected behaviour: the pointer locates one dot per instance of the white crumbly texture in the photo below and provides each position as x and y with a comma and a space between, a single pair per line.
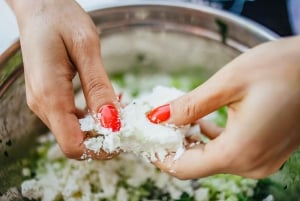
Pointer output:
269, 198
121, 179
137, 133
74, 180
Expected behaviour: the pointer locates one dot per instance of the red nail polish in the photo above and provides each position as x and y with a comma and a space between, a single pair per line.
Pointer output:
159, 114
109, 117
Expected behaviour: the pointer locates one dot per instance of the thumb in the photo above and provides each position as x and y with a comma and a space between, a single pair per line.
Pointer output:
221, 89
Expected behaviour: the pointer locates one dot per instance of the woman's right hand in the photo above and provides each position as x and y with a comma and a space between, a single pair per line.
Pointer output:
58, 39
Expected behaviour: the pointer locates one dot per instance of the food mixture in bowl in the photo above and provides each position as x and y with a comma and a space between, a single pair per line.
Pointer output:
138, 134
131, 176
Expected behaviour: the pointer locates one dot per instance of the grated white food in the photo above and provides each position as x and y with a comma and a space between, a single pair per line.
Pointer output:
126, 177
138, 134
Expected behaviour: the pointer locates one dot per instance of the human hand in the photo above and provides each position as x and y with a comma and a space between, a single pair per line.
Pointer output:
261, 90
59, 39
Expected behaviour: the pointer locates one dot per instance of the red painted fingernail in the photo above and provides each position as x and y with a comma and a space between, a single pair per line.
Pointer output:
159, 114
108, 117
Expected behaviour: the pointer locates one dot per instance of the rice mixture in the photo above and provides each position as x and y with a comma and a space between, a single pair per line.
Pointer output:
129, 177
138, 134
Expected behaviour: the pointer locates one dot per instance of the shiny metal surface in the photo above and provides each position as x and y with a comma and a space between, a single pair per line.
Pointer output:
160, 36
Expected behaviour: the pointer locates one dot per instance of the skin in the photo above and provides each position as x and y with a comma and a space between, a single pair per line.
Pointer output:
261, 89
58, 40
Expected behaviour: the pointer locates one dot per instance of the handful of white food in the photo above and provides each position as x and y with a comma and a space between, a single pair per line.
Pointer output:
137, 133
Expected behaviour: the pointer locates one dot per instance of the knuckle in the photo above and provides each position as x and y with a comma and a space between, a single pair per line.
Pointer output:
31, 102
35, 99
96, 90
94, 87
188, 108
37, 96
191, 109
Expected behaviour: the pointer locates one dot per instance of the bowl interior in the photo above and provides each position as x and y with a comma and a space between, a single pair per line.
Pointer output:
150, 37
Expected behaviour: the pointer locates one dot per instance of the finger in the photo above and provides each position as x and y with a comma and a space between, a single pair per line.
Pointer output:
72, 145
49, 92
196, 162
83, 47
209, 129
63, 122
49, 89
70, 138
219, 90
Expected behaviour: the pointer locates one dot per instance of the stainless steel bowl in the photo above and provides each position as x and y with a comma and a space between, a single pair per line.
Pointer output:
157, 35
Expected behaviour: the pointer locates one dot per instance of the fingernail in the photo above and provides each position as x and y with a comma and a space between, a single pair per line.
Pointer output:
159, 114
108, 117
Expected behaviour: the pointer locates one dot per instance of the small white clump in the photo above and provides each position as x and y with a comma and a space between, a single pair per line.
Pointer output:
137, 133
127, 177
269, 198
